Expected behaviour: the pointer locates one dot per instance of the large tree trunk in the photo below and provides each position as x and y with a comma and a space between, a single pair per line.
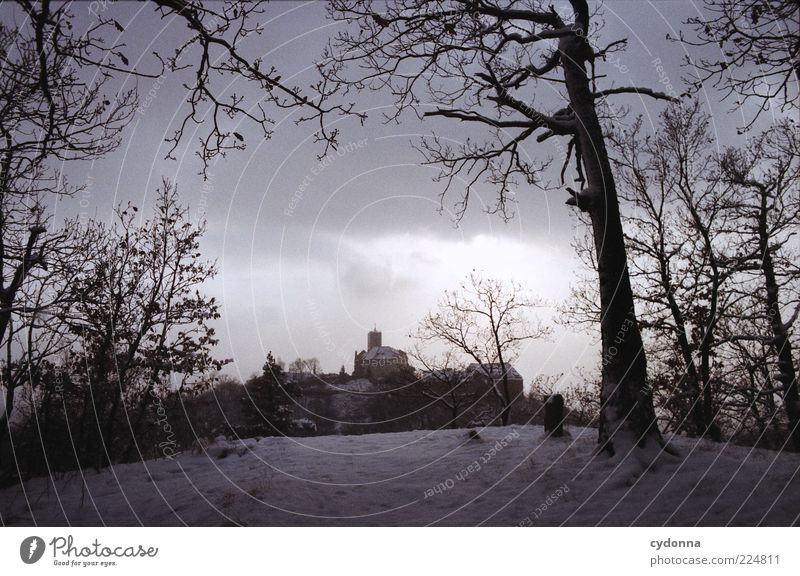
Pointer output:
6, 302
710, 428
505, 393
505, 415
691, 381
137, 423
709, 324
5, 416
627, 417
105, 457
780, 332
696, 416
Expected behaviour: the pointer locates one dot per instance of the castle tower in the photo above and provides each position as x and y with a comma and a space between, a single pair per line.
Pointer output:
373, 339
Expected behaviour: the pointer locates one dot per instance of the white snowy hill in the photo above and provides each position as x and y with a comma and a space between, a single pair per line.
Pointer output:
508, 476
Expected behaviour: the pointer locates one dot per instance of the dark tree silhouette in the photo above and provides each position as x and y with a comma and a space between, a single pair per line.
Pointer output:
49, 116
142, 322
756, 46
482, 63
213, 51
207, 40
60, 102
676, 199
485, 320
268, 402
768, 212
445, 381
714, 272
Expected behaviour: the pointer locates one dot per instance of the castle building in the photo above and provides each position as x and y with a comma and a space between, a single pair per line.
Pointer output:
378, 361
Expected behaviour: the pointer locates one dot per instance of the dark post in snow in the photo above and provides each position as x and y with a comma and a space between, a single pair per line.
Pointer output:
554, 415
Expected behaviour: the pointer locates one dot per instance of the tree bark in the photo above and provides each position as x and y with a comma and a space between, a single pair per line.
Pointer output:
780, 333
5, 417
691, 380
627, 417
505, 413
708, 337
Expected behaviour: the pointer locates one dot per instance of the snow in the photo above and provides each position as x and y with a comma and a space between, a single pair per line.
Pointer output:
508, 476
304, 424
356, 385
495, 370
383, 353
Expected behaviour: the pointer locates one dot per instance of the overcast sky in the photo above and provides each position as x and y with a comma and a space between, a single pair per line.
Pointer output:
309, 273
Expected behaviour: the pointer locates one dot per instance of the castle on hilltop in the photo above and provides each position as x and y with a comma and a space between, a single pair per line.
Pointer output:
378, 361
386, 394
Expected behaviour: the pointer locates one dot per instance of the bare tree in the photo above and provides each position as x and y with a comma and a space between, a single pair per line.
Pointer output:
768, 212
446, 381
207, 40
311, 365
304, 366
213, 51
481, 63
48, 115
696, 235
757, 51
486, 321
60, 102
676, 206
297, 365
36, 331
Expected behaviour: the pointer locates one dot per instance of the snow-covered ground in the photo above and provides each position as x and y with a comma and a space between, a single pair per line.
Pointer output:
508, 476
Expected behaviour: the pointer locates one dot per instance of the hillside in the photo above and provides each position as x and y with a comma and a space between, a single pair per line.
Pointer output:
510, 476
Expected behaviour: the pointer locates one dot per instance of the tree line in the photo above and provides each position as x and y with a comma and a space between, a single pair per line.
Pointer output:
712, 241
